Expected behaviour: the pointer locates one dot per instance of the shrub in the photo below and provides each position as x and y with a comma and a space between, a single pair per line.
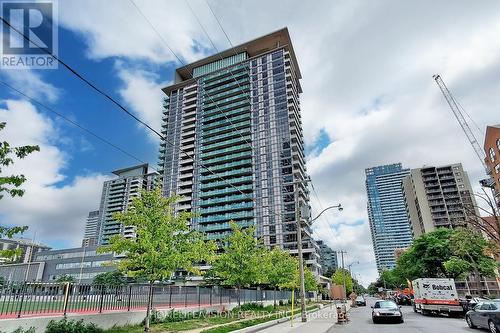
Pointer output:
71, 326
22, 330
251, 306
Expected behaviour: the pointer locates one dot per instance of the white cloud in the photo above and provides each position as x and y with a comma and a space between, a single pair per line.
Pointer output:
142, 92
56, 213
116, 28
30, 83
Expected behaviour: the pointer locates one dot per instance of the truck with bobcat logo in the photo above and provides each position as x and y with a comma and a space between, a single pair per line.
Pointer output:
436, 296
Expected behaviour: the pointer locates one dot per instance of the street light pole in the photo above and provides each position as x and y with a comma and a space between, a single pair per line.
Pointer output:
301, 259
298, 219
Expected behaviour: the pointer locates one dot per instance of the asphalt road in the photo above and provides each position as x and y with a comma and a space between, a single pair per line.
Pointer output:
361, 321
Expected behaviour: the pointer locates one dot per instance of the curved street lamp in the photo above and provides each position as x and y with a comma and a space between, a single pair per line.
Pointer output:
339, 206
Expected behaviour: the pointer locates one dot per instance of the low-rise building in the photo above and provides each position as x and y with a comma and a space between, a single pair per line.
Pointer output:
83, 264
27, 247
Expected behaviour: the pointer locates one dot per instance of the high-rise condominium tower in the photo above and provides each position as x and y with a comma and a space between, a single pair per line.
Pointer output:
117, 194
492, 150
439, 197
92, 229
387, 215
233, 143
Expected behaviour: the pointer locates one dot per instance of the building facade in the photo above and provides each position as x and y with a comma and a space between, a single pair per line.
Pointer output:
234, 148
389, 224
117, 194
92, 229
492, 150
27, 248
328, 259
438, 197
82, 264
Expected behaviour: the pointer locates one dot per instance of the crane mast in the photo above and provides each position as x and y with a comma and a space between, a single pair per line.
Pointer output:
461, 120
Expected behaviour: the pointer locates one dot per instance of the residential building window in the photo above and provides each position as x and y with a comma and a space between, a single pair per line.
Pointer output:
492, 155
497, 168
498, 144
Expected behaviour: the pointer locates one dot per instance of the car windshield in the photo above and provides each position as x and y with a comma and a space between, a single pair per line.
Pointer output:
359, 298
385, 305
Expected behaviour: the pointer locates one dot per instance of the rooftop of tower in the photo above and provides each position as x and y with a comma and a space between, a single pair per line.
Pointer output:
255, 47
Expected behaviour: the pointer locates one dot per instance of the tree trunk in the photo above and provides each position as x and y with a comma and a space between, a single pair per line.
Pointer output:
478, 281
238, 291
275, 297
148, 308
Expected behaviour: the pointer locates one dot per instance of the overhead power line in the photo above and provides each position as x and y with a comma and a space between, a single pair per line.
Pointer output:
74, 123
88, 82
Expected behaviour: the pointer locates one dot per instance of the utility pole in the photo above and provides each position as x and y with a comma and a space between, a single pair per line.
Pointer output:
299, 253
342, 252
298, 219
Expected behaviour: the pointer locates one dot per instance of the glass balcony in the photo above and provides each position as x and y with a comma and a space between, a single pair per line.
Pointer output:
227, 166
211, 176
225, 191
227, 107
230, 127
210, 79
215, 97
238, 140
235, 75
221, 114
226, 150
225, 217
224, 122
227, 199
233, 83
228, 157
226, 100
232, 181
227, 208
225, 226
225, 136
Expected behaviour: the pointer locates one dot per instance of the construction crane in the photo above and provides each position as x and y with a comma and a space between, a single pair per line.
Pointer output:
465, 126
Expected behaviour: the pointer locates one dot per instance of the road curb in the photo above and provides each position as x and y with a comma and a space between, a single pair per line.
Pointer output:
268, 324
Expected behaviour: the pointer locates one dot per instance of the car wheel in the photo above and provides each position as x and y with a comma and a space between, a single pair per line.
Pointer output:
469, 322
492, 327
375, 321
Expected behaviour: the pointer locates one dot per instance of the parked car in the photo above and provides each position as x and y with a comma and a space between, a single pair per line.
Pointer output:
485, 315
469, 303
402, 299
386, 310
360, 301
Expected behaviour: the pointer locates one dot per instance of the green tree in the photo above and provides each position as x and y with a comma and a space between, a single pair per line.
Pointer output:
240, 264
65, 278
110, 279
470, 255
425, 258
279, 269
164, 241
342, 275
11, 184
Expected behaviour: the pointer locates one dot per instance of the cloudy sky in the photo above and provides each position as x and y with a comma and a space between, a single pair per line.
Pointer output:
369, 97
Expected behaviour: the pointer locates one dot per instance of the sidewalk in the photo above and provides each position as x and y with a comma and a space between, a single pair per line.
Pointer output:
317, 322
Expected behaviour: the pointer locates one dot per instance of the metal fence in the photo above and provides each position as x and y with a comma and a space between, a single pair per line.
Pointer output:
29, 299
